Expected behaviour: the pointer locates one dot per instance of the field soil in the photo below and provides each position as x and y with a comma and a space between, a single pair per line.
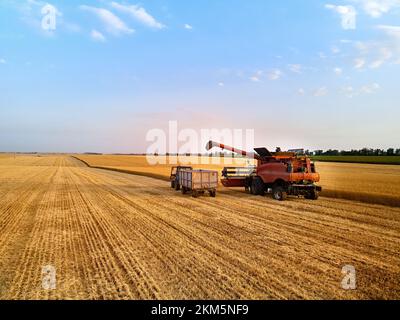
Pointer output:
111, 235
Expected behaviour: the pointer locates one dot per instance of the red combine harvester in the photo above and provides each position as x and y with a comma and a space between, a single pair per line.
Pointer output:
282, 173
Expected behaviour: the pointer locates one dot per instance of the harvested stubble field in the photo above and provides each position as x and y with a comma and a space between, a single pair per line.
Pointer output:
112, 235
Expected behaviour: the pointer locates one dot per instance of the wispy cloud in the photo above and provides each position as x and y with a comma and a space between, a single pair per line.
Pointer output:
350, 92
187, 26
301, 92
338, 71
139, 14
359, 63
112, 23
97, 36
296, 68
3, 61
320, 92
275, 74
376, 8
348, 15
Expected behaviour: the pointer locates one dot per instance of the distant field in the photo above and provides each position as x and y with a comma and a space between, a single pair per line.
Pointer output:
360, 159
373, 183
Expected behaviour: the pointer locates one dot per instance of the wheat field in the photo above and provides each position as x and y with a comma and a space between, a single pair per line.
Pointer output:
379, 184
111, 235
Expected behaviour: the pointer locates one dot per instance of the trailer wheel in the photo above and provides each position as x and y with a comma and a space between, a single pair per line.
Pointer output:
278, 193
257, 187
195, 194
213, 193
184, 190
177, 186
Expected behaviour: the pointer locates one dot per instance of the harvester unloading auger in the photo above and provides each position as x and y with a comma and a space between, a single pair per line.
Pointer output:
282, 173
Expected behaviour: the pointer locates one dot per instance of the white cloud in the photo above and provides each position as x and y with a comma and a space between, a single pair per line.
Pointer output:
376, 8
320, 92
275, 74
187, 26
338, 71
3, 61
296, 68
221, 84
257, 76
113, 24
350, 92
138, 13
97, 36
378, 52
393, 31
371, 88
301, 92
385, 54
359, 63
348, 15
255, 79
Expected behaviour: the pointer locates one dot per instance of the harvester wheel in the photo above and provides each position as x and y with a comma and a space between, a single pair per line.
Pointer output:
257, 187
278, 193
313, 195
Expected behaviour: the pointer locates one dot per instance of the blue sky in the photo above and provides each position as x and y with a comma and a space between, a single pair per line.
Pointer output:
313, 74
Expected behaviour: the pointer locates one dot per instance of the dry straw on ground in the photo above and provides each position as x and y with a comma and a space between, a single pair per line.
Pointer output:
116, 236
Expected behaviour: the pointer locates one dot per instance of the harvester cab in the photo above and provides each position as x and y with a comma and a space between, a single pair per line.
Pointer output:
279, 173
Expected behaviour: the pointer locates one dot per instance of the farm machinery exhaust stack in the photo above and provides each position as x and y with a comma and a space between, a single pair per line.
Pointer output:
282, 173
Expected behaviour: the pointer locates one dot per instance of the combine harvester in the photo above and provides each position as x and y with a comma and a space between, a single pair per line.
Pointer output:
279, 173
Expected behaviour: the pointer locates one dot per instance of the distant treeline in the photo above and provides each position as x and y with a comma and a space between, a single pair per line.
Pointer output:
361, 152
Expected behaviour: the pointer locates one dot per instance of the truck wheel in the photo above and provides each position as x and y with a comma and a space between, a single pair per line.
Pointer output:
184, 190
173, 184
213, 193
278, 193
177, 186
257, 187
